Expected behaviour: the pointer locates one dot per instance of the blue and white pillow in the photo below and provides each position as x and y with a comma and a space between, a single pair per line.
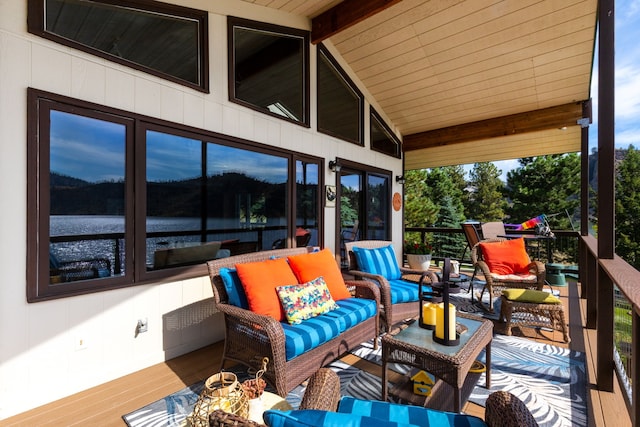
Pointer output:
317, 418
380, 261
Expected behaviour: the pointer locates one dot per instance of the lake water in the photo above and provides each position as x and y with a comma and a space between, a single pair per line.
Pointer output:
74, 225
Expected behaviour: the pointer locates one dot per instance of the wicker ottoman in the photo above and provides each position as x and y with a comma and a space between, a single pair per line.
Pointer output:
533, 308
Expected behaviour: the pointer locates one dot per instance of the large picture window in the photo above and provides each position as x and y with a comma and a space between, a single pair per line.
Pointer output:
165, 40
340, 103
96, 174
269, 69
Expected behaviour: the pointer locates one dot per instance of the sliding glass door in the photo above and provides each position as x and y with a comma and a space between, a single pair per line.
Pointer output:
363, 209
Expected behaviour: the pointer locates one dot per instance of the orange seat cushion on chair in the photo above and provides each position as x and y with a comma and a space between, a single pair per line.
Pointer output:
506, 257
260, 280
308, 267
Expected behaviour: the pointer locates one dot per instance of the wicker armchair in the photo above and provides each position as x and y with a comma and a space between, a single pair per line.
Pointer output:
392, 313
503, 409
496, 283
250, 336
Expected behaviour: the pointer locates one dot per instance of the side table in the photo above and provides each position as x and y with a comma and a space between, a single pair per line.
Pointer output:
415, 347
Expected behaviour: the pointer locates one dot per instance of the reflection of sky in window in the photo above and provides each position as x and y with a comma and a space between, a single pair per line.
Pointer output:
263, 167
350, 181
172, 158
85, 148
311, 173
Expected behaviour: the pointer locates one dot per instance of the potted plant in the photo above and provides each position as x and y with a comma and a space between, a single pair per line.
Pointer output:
418, 254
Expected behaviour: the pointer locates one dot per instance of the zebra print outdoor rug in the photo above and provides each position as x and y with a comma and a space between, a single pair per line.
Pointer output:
549, 379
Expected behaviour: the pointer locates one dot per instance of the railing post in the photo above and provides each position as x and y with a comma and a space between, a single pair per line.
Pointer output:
591, 279
605, 367
116, 261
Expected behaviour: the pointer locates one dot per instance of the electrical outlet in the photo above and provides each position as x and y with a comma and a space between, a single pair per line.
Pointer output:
143, 326
81, 343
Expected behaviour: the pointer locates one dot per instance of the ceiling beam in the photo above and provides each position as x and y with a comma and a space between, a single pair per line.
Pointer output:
344, 15
546, 118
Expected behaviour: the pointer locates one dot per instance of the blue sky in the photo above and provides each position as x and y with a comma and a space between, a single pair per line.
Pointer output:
627, 91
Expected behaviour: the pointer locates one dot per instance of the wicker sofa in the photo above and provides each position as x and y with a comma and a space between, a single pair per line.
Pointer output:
250, 336
322, 405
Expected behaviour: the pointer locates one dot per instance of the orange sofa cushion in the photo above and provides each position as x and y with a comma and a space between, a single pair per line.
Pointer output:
506, 257
260, 280
308, 267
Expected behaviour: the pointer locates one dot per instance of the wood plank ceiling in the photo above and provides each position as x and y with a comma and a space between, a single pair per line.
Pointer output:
466, 80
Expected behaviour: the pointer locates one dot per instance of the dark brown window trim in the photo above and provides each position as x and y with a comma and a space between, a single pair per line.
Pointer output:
38, 287
322, 49
36, 25
349, 165
232, 22
392, 136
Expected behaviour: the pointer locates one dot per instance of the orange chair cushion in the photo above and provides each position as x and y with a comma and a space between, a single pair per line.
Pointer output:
260, 280
506, 257
315, 264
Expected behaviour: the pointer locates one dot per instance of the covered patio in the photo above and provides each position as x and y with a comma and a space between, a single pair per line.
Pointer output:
458, 81
104, 405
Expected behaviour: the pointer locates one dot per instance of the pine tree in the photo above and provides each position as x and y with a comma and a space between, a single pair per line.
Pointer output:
450, 244
485, 201
628, 208
545, 185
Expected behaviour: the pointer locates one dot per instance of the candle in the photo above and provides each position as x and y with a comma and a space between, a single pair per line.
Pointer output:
440, 321
429, 314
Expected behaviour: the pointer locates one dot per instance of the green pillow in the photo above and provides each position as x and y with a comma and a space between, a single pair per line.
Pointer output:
530, 295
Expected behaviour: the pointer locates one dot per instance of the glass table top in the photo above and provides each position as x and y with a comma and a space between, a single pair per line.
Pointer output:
420, 337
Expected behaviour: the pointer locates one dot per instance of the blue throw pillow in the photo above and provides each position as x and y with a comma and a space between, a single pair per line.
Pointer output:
394, 412
234, 288
317, 418
380, 261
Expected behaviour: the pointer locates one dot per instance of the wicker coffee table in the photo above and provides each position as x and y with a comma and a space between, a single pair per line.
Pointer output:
415, 347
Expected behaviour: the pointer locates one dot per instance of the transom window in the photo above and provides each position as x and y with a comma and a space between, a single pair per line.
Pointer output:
340, 103
165, 40
382, 138
96, 174
269, 69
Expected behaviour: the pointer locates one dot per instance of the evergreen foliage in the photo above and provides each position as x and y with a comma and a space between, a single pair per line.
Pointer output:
419, 209
545, 185
485, 201
450, 216
628, 208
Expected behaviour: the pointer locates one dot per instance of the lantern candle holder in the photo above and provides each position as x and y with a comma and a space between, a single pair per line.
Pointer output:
445, 331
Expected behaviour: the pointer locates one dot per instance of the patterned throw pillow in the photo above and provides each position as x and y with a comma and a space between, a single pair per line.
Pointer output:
306, 300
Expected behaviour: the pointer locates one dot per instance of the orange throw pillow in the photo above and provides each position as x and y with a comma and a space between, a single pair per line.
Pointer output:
308, 267
506, 257
260, 280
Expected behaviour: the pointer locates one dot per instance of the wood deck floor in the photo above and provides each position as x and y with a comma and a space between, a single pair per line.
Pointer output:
104, 405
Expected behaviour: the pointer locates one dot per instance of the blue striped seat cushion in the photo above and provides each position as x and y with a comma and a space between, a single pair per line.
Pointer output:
352, 311
403, 291
318, 330
385, 411
309, 334
380, 261
317, 418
